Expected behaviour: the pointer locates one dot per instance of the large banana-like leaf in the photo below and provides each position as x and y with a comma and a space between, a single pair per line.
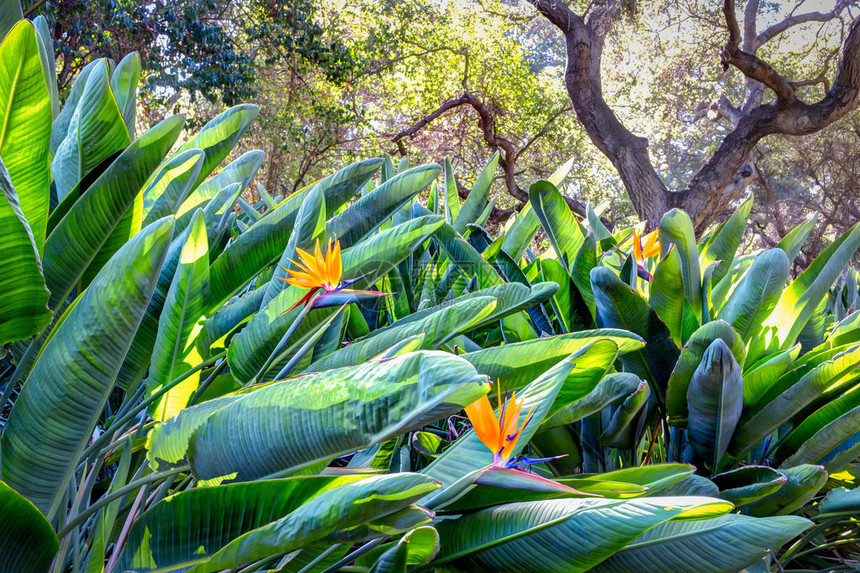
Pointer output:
461, 254
264, 242
562, 303
343, 508
24, 311
521, 233
802, 296
180, 323
219, 136
251, 348
437, 325
690, 359
171, 185
802, 483
611, 390
754, 297
94, 216
49, 62
167, 443
241, 171
618, 306
676, 228
369, 212
714, 400
62, 399
96, 131
564, 231
760, 378
558, 387
478, 197
668, 281
827, 377
793, 241
515, 365
25, 125
289, 425
60, 127
123, 82
581, 532
27, 541
189, 527
725, 543
452, 198
10, 14
723, 243
826, 439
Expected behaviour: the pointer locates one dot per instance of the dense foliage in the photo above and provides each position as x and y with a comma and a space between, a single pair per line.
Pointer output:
170, 404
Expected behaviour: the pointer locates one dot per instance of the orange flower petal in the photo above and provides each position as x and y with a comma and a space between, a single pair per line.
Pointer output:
637, 246
485, 423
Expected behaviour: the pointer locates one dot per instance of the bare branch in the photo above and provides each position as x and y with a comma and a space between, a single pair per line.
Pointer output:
750, 64
794, 20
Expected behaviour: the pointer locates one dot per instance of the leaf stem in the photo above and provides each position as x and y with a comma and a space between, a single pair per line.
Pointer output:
128, 488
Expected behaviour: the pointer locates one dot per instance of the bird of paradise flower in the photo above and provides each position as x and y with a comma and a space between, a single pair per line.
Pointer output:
322, 275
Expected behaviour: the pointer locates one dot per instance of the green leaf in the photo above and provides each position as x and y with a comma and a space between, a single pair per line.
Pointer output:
189, 527
25, 124
24, 312
319, 416
96, 131
676, 228
802, 483
551, 270
179, 325
250, 350
795, 238
62, 399
755, 296
438, 325
802, 296
10, 14
612, 390
521, 233
714, 401
691, 356
618, 306
749, 483
27, 540
565, 233
341, 508
369, 212
478, 196
264, 242
49, 62
760, 378
515, 365
668, 281
219, 137
582, 532
417, 547
241, 171
92, 219
725, 543
171, 185
723, 243
826, 377
452, 198
828, 438
123, 83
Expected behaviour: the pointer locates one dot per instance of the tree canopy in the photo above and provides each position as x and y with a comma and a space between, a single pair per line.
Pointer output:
660, 104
